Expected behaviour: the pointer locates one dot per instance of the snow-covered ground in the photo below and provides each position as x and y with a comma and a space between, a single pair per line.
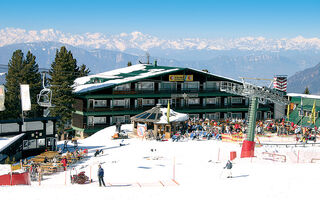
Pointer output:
134, 171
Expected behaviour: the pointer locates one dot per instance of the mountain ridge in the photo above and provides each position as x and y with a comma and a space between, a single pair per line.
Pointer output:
144, 42
309, 77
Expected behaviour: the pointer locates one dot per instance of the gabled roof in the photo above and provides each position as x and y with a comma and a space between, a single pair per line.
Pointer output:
126, 75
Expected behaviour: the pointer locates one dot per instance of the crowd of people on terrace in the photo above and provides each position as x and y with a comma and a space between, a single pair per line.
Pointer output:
212, 129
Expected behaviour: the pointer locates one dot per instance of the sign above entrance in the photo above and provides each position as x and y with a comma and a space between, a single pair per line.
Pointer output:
180, 77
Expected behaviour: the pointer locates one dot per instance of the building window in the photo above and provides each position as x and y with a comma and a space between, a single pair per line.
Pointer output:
164, 102
213, 116
236, 100
148, 102
116, 119
123, 87
194, 85
120, 103
168, 86
236, 115
145, 86
92, 120
194, 116
100, 103
192, 101
99, 120
211, 101
211, 85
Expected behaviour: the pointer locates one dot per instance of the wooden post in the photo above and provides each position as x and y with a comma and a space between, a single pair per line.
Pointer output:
174, 168
90, 173
39, 174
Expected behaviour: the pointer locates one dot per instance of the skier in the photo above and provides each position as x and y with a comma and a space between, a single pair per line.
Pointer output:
100, 176
73, 175
229, 167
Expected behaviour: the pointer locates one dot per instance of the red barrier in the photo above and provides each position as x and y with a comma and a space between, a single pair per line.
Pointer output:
16, 178
5, 179
233, 155
247, 149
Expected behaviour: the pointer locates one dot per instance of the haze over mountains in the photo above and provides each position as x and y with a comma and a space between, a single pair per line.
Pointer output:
248, 56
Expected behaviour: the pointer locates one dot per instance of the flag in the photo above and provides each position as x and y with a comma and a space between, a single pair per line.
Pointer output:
288, 112
2, 97
25, 97
301, 108
313, 113
168, 112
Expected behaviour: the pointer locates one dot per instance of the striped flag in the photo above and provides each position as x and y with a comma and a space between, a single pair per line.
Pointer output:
301, 107
168, 112
288, 112
313, 113
280, 83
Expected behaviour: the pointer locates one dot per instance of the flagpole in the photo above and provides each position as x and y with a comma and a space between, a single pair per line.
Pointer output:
301, 108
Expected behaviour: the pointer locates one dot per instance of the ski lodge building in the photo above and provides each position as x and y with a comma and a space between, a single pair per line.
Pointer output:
107, 98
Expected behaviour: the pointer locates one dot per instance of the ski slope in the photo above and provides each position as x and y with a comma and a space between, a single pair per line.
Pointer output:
134, 171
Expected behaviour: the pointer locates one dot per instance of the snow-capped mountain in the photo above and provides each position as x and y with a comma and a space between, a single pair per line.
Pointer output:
249, 56
144, 42
97, 60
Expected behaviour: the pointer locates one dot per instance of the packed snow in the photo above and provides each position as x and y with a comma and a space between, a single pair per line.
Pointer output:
144, 170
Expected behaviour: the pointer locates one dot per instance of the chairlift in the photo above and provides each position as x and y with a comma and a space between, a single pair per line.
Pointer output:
45, 96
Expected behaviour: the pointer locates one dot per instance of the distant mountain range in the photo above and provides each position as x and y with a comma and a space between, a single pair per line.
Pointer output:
234, 58
309, 77
134, 41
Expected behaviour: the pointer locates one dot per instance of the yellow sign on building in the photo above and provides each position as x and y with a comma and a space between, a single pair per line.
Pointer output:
180, 77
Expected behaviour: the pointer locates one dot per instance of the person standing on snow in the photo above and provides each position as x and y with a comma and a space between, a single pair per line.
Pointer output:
229, 167
100, 176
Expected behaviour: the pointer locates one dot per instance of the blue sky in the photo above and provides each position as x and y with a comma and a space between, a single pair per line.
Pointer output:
167, 19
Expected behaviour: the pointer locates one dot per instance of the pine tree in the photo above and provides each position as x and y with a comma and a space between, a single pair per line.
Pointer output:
306, 91
83, 71
32, 77
129, 64
12, 85
21, 71
63, 73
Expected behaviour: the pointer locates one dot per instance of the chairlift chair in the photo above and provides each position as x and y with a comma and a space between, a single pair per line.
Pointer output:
45, 96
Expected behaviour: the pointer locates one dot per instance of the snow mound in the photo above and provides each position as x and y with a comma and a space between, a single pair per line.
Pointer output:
104, 136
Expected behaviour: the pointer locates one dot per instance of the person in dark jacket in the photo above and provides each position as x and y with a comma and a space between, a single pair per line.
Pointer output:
100, 176
229, 167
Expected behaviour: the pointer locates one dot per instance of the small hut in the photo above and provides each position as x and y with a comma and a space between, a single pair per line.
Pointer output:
156, 121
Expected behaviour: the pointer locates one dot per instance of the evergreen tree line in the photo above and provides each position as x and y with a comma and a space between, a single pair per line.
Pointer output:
25, 70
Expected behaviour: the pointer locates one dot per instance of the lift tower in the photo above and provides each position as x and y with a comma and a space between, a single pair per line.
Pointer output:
257, 95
